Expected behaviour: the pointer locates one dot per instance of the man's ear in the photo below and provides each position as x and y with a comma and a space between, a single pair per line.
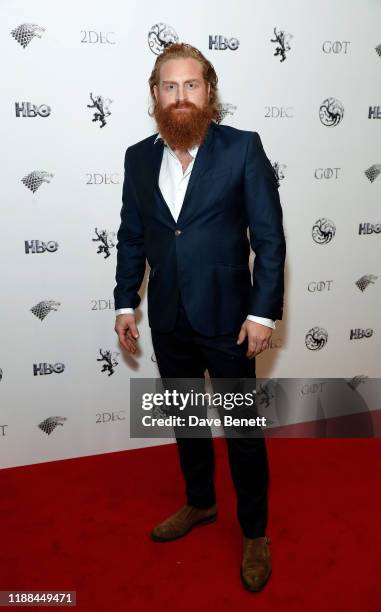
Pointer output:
155, 91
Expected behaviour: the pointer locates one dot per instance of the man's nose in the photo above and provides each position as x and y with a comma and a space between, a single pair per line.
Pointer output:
181, 95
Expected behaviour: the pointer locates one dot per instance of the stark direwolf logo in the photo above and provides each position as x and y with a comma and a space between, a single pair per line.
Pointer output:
161, 36
372, 172
323, 230
354, 382
34, 179
42, 309
110, 360
366, 280
102, 106
224, 110
282, 39
51, 423
316, 338
378, 50
279, 171
25, 32
107, 241
1, 374
331, 112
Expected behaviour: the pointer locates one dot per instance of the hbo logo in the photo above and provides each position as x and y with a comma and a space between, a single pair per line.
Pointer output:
357, 334
26, 109
37, 246
369, 228
48, 368
222, 43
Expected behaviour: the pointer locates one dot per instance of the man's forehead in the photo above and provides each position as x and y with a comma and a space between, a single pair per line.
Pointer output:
184, 68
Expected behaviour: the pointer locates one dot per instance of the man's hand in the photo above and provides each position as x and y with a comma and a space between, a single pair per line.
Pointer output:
258, 337
127, 331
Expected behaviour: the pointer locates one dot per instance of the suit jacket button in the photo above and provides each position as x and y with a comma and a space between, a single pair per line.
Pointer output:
177, 232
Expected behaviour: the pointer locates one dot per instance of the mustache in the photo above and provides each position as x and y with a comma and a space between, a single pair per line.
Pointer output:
185, 104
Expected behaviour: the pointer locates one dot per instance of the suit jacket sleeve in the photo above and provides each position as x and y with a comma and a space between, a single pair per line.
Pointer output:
265, 219
131, 257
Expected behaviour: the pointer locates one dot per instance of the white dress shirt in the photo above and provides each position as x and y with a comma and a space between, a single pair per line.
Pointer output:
173, 184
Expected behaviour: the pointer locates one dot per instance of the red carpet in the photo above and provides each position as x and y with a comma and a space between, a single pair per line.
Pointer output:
83, 524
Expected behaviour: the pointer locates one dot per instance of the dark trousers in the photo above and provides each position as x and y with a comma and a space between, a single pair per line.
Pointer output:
184, 353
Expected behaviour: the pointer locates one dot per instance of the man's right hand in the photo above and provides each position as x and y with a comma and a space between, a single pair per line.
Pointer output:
128, 334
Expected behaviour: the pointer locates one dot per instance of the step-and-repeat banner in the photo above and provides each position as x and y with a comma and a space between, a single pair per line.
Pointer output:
304, 75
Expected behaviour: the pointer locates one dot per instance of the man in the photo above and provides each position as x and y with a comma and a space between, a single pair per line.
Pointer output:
190, 193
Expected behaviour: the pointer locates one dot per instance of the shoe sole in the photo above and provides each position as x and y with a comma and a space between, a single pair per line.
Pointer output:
203, 521
254, 589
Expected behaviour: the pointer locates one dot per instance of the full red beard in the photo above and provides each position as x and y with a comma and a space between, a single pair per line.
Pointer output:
183, 129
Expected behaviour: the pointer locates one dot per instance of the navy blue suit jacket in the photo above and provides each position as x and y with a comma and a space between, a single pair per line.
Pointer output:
204, 256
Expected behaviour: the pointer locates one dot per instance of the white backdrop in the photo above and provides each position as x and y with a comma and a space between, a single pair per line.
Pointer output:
102, 48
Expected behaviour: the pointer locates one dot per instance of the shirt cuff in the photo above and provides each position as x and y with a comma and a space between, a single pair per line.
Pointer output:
124, 311
262, 320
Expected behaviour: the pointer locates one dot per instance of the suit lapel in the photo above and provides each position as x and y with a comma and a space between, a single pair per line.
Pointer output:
200, 165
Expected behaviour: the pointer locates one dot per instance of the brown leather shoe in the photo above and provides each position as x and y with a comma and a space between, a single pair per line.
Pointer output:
180, 523
256, 563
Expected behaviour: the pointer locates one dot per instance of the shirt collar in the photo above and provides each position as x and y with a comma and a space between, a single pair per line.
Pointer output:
192, 151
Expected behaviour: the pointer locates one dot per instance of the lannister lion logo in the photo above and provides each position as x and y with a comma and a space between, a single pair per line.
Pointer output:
282, 39
110, 361
278, 169
225, 109
25, 32
107, 241
102, 105
35, 179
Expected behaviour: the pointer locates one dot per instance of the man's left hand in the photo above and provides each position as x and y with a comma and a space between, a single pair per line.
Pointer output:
258, 337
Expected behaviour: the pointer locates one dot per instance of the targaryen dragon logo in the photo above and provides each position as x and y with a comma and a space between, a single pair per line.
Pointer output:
25, 32
160, 36
316, 338
323, 230
331, 112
